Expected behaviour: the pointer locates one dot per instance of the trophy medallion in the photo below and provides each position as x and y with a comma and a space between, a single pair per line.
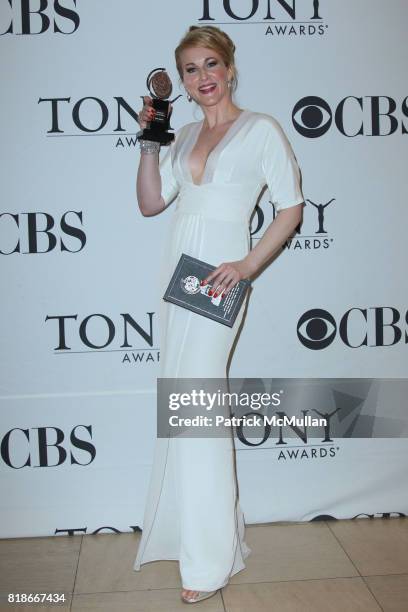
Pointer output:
160, 87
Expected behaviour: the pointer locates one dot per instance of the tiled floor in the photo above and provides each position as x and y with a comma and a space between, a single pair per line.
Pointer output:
335, 566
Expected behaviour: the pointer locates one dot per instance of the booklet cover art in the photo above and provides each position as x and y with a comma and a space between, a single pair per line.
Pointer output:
186, 291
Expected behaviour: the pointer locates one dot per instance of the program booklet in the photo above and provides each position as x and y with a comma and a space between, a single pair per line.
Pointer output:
185, 290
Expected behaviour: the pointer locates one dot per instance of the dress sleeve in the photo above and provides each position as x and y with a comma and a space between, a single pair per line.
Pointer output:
169, 184
280, 169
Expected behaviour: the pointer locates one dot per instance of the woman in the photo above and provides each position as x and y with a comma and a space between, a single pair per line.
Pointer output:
216, 168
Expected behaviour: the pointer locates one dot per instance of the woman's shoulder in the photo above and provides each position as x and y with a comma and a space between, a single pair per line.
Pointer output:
268, 129
187, 126
182, 131
265, 120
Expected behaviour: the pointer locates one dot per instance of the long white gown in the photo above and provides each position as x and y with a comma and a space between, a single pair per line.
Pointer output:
192, 510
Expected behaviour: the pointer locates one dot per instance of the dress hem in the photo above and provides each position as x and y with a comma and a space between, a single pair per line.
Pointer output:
207, 588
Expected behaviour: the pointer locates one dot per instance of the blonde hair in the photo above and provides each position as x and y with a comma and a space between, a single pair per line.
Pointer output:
212, 38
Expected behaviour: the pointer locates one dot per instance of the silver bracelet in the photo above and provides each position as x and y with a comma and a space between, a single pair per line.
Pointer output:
149, 146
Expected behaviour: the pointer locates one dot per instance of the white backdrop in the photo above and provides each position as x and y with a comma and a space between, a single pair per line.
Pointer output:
79, 324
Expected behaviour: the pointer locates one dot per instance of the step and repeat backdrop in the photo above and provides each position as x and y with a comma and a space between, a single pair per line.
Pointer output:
79, 263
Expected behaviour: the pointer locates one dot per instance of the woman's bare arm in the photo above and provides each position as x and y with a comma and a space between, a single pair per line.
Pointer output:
148, 182
274, 237
227, 274
148, 185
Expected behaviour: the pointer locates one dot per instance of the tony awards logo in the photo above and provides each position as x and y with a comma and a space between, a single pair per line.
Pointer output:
190, 284
160, 87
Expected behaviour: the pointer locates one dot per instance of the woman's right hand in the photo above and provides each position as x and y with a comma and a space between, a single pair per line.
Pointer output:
147, 113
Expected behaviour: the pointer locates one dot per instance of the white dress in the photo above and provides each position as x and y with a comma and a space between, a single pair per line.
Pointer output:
192, 510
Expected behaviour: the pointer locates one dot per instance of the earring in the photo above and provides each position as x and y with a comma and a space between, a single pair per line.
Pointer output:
189, 98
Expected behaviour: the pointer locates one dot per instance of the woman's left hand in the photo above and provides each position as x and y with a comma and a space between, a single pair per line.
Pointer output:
226, 276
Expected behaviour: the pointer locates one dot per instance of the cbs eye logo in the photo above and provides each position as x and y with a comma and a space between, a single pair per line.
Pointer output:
316, 329
312, 117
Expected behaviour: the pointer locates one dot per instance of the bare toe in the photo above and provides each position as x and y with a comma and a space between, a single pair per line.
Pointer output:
187, 594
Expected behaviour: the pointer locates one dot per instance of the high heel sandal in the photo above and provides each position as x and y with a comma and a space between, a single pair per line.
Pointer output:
201, 595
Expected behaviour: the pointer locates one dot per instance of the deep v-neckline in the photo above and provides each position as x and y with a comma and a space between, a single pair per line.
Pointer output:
229, 132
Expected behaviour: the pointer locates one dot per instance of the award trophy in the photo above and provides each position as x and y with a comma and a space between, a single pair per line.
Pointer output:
158, 80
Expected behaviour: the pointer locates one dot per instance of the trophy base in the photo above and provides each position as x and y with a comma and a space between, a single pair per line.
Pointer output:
164, 138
